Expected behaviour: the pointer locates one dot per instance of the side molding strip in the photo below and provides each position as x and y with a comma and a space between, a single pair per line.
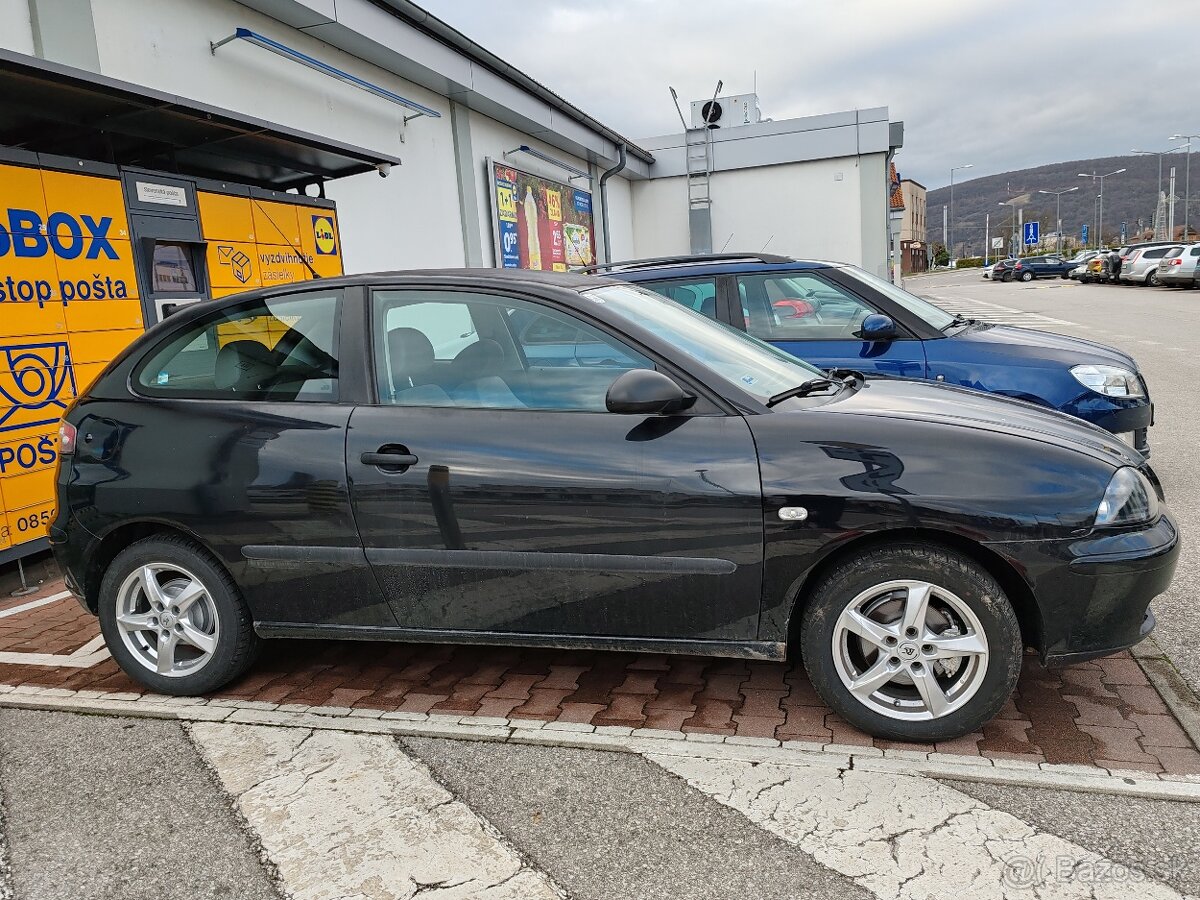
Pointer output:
560, 562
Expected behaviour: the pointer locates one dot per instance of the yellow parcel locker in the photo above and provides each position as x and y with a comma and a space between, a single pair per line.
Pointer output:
100, 346
225, 218
232, 267
275, 223
95, 196
104, 315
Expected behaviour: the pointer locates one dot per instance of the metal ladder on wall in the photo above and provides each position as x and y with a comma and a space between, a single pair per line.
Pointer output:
698, 147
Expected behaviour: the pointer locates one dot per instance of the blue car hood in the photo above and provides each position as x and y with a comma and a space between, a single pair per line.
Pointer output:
1042, 344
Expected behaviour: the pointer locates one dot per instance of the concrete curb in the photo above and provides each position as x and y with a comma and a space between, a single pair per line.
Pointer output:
613, 739
1171, 686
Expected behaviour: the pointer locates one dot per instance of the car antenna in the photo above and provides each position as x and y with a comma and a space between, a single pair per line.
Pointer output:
726, 244
764, 246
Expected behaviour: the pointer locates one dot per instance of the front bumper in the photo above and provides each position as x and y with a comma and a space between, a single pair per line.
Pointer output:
1093, 593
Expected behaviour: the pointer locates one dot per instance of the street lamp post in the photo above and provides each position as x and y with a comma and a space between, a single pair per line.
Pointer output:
950, 237
1058, 213
1187, 180
1012, 243
1160, 154
1100, 214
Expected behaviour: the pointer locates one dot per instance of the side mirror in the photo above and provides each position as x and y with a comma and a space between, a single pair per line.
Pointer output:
647, 393
877, 327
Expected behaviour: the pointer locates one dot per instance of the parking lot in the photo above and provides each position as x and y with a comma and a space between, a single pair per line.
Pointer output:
1088, 773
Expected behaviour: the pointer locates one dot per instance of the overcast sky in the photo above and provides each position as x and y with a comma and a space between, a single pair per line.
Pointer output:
1000, 85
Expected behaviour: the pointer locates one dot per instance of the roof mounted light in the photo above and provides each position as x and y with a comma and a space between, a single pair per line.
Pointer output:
544, 157
253, 37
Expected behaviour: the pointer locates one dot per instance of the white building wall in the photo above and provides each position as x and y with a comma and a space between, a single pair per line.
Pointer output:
16, 31
408, 219
660, 217
811, 210
620, 213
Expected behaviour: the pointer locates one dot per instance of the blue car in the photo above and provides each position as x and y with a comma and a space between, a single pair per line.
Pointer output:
838, 316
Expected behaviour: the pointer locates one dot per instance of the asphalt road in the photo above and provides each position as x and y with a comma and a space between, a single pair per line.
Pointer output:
107, 807
1158, 327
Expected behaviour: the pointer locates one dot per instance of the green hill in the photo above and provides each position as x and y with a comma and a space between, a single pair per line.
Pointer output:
1128, 197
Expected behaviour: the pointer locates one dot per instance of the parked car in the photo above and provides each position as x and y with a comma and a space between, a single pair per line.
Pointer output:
1140, 264
1178, 267
1081, 261
989, 270
1032, 267
302, 461
1099, 269
1002, 271
863, 322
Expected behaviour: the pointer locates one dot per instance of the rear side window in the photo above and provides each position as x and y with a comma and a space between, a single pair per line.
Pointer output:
699, 294
1156, 254
279, 349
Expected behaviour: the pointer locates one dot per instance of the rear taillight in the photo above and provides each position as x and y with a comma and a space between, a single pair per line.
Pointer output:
1017, 266
66, 439
1177, 262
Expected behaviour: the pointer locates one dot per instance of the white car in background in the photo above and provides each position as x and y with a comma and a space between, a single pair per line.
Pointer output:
1140, 265
1178, 267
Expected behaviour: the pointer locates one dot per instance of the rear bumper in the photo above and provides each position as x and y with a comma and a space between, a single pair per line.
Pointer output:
1176, 279
73, 546
1093, 593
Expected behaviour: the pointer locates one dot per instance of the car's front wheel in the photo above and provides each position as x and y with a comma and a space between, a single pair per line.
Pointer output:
173, 619
911, 642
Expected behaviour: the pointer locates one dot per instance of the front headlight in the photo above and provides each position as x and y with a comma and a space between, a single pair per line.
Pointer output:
1112, 381
1129, 499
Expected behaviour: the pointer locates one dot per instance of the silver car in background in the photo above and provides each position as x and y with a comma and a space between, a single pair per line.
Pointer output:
1178, 268
1141, 265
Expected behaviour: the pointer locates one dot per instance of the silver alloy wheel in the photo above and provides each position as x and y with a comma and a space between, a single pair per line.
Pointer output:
910, 650
167, 619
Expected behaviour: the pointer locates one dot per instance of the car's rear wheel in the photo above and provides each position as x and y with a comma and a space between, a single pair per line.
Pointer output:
1027, 276
173, 619
1152, 280
912, 642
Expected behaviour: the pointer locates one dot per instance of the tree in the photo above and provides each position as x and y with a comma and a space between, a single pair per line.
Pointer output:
940, 255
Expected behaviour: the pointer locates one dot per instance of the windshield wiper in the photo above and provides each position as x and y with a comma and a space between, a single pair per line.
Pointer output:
803, 390
960, 319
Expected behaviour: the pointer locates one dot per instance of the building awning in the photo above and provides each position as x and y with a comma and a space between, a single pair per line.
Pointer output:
50, 108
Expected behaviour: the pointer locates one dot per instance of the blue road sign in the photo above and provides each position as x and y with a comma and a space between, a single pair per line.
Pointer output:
1085, 233
1124, 232
1032, 230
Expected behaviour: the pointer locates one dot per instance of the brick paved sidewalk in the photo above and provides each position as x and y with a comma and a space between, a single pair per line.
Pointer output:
1101, 713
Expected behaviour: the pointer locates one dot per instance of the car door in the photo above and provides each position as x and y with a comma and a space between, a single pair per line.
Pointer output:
243, 438
811, 317
496, 494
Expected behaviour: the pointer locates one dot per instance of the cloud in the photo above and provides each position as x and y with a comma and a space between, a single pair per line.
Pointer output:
1002, 86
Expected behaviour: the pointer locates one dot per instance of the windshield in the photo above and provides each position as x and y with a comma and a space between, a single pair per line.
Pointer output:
754, 366
936, 317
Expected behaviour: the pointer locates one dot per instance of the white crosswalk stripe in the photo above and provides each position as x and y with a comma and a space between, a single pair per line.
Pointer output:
994, 313
352, 816
906, 837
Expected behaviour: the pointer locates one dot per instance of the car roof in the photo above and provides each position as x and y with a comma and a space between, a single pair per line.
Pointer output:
714, 264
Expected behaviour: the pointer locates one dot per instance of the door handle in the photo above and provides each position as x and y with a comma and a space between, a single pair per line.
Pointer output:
389, 459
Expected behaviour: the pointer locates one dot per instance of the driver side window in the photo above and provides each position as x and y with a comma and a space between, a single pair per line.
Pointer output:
800, 306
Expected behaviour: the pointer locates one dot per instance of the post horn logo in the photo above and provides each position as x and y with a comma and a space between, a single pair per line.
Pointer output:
38, 380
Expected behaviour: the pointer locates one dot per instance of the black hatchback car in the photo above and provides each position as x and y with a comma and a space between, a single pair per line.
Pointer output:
398, 457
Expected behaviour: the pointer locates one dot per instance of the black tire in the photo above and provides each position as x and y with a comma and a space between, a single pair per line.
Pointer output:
236, 646
969, 581
1027, 276
1152, 279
